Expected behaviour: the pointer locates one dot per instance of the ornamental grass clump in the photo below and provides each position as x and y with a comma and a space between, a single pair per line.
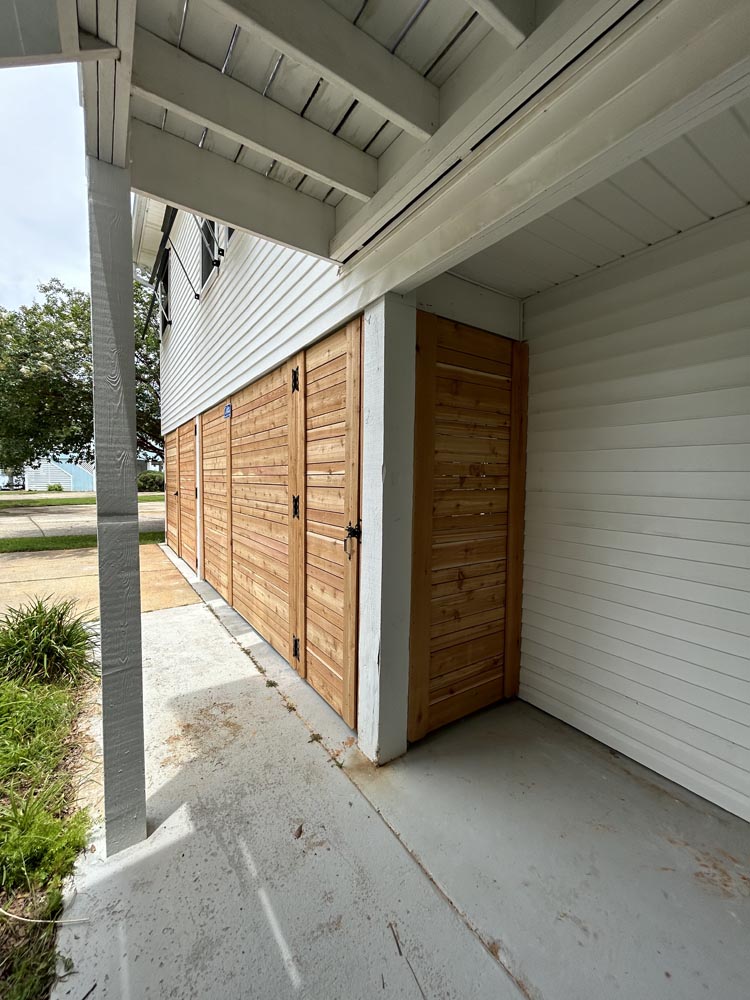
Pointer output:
46, 641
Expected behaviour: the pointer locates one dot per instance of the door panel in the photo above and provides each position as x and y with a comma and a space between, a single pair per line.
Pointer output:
331, 503
215, 498
172, 490
468, 509
260, 506
187, 495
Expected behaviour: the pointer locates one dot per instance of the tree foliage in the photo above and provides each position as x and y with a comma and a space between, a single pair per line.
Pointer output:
46, 389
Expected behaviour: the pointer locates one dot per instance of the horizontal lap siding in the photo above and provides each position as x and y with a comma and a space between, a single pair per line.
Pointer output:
636, 611
266, 303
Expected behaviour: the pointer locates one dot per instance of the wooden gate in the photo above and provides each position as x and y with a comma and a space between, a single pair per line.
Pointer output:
172, 490
327, 549
187, 538
260, 506
469, 474
216, 510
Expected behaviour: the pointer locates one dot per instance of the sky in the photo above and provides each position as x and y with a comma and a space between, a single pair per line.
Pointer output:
44, 230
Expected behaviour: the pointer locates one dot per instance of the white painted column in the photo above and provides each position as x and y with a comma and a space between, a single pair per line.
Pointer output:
385, 566
117, 503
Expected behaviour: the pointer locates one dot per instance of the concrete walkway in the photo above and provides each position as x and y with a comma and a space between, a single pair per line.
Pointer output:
267, 874
74, 574
39, 522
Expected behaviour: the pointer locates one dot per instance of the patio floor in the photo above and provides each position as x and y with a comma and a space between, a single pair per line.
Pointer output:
507, 856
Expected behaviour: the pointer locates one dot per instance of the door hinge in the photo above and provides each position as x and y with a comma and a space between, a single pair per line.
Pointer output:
195, 429
295, 647
295, 506
196, 492
295, 379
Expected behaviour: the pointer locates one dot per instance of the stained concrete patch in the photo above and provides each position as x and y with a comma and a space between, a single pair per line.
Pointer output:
267, 874
74, 574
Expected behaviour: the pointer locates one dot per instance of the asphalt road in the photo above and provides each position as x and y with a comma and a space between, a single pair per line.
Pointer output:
40, 522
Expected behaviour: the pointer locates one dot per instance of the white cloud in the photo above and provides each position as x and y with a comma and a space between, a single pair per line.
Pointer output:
43, 215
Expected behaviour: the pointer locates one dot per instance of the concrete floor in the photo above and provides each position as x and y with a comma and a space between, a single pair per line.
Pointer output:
74, 574
512, 855
267, 874
588, 875
39, 522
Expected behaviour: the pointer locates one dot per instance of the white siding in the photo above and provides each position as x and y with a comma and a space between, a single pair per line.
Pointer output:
266, 303
636, 612
47, 474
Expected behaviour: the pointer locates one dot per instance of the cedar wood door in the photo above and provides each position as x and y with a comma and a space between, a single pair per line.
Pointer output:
278, 547
215, 497
172, 490
469, 476
187, 541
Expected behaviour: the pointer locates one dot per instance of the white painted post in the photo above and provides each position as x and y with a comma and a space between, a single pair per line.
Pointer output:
117, 503
385, 567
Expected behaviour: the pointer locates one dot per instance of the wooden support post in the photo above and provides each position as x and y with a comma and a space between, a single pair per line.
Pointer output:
385, 567
117, 503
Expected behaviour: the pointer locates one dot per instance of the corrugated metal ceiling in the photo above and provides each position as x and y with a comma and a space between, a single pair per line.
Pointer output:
700, 176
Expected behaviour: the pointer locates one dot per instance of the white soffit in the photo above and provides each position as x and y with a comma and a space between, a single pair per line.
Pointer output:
147, 233
702, 175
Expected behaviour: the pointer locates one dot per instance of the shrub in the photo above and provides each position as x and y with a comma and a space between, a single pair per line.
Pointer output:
54, 488
36, 719
45, 641
151, 482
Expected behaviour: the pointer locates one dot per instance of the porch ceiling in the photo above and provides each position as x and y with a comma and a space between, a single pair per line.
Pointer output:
400, 140
699, 176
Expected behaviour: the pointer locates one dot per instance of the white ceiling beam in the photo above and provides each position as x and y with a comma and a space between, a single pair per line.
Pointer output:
569, 30
175, 80
659, 75
178, 173
89, 49
513, 19
316, 35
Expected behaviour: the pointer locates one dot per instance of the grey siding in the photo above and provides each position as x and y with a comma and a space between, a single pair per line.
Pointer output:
636, 610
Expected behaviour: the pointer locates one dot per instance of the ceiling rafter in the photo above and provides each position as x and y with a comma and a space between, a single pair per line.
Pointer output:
166, 75
513, 19
316, 35
178, 173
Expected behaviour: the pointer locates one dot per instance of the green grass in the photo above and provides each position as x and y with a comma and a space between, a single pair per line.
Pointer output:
55, 500
40, 832
59, 542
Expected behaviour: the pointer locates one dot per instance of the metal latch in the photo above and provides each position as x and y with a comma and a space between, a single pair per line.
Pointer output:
295, 647
295, 379
295, 506
352, 531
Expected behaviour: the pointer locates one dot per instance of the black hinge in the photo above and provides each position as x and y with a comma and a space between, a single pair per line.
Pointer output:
295, 379
295, 506
354, 530
196, 492
295, 647
195, 429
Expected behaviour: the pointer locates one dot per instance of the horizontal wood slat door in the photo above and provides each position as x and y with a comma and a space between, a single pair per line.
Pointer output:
467, 459
172, 491
331, 504
215, 497
188, 547
260, 506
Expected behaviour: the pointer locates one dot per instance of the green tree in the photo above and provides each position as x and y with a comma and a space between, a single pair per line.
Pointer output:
46, 401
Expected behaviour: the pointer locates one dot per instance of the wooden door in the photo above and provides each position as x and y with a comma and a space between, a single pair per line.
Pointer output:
215, 426
469, 473
260, 506
187, 494
327, 553
172, 490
